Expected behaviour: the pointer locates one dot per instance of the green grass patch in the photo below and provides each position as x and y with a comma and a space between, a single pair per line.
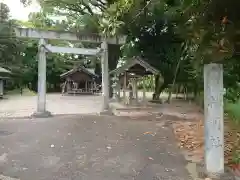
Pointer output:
25, 92
233, 111
236, 157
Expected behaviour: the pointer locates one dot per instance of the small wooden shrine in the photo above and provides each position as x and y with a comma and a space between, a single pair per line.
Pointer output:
128, 75
4, 74
79, 80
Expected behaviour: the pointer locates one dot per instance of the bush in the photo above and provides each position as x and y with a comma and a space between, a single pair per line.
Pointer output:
232, 94
236, 157
233, 110
25, 92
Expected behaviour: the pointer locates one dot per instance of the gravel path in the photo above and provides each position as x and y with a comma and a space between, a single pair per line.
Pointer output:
23, 106
89, 147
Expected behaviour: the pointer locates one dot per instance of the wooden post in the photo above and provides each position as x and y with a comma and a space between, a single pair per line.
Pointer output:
86, 85
118, 88
124, 88
42, 68
213, 113
94, 86
135, 89
144, 93
68, 85
115, 88
131, 94
63, 87
1, 87
105, 76
91, 86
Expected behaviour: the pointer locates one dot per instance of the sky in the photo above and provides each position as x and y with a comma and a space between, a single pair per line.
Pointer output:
18, 11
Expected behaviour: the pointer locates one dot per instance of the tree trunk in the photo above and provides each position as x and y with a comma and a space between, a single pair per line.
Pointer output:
157, 77
113, 57
110, 87
196, 91
170, 93
159, 91
174, 81
177, 90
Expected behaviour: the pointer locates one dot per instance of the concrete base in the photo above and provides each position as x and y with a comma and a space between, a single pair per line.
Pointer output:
214, 175
45, 114
202, 173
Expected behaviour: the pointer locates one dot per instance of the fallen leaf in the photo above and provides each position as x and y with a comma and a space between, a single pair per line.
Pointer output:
150, 158
147, 133
108, 147
190, 136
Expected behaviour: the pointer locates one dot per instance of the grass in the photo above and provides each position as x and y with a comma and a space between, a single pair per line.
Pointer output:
25, 92
233, 112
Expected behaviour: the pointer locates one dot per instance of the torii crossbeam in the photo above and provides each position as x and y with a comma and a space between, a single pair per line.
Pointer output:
68, 36
64, 35
71, 50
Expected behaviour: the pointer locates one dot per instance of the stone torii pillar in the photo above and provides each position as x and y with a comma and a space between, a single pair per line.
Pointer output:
105, 77
42, 68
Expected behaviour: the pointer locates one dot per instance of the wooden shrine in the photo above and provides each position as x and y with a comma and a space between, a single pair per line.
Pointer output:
79, 80
127, 76
4, 74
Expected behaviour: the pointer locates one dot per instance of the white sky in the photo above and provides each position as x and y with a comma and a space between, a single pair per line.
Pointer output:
18, 11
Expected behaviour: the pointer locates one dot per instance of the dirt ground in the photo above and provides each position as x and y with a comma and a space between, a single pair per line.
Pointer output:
23, 106
89, 147
137, 143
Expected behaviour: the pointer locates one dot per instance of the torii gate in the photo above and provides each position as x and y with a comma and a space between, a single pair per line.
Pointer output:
68, 36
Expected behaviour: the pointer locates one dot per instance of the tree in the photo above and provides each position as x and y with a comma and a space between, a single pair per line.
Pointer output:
151, 34
156, 31
4, 16
209, 30
10, 47
74, 7
213, 26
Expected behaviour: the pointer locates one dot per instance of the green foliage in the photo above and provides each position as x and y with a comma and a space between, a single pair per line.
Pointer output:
68, 15
4, 16
78, 7
211, 25
24, 91
232, 94
232, 73
163, 32
150, 32
233, 111
149, 83
10, 47
112, 23
236, 157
